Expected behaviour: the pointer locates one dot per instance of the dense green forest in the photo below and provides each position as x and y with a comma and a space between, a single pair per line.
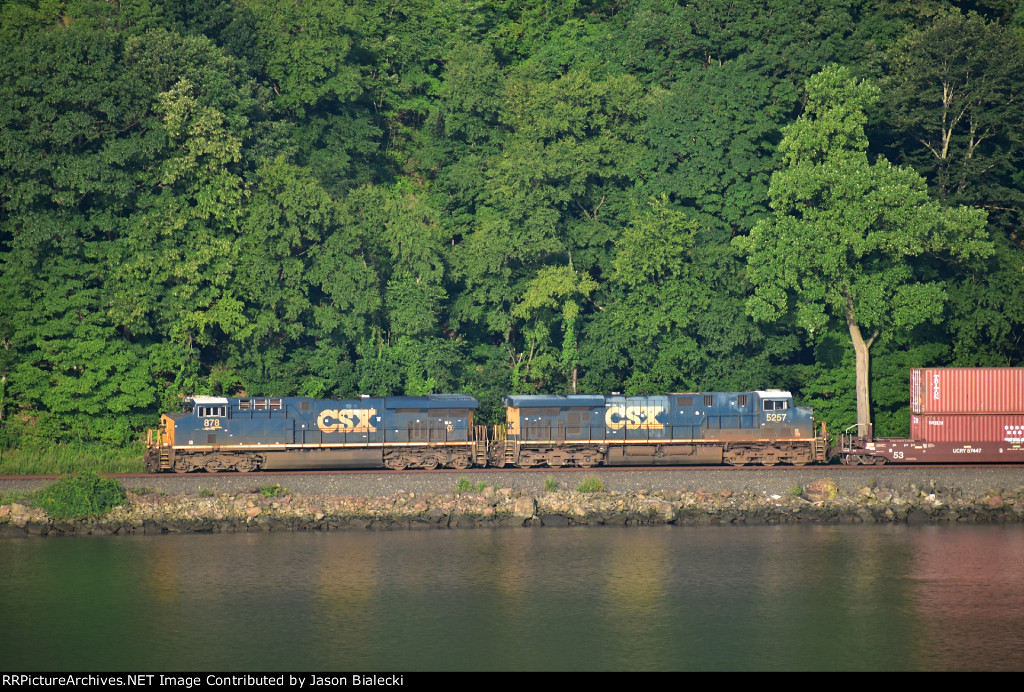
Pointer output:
333, 197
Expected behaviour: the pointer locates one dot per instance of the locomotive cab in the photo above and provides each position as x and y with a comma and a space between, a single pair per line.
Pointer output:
210, 419
780, 419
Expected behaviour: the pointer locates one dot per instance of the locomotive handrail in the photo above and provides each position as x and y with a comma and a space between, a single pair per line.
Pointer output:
846, 438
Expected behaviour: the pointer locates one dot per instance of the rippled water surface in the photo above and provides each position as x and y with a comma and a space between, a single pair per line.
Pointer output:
673, 598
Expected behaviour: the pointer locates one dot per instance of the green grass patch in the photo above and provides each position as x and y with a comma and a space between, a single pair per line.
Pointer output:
22, 497
274, 490
480, 486
464, 485
591, 484
550, 484
83, 495
57, 459
796, 490
206, 492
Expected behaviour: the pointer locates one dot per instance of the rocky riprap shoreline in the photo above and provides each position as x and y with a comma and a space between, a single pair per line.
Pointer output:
820, 502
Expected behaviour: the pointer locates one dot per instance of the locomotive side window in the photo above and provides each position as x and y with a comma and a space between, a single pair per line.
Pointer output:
776, 404
684, 401
212, 411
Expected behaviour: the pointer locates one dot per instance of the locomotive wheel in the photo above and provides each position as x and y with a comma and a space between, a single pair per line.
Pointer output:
246, 465
802, 460
429, 464
587, 461
462, 461
396, 463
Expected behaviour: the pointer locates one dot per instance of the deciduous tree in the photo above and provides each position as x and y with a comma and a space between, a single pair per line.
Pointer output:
848, 236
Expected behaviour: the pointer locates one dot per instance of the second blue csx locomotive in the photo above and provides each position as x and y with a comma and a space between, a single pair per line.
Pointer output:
247, 434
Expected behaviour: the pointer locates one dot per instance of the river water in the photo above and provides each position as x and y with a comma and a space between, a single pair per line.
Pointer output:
673, 598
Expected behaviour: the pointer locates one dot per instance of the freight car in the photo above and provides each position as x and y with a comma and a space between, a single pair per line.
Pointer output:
760, 427
249, 434
957, 415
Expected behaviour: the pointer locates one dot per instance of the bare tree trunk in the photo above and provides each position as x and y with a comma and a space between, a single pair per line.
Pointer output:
861, 349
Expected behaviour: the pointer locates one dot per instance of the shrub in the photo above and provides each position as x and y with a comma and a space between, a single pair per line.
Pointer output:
271, 490
591, 484
83, 495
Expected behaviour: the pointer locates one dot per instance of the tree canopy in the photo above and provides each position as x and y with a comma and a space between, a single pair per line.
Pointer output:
337, 197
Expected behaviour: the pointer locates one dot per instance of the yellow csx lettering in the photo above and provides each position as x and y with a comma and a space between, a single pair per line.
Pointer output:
633, 417
347, 420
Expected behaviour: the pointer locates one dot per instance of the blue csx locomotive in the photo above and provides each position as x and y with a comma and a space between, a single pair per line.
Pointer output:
248, 434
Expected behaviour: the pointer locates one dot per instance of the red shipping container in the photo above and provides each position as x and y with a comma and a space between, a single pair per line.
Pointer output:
967, 428
966, 390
